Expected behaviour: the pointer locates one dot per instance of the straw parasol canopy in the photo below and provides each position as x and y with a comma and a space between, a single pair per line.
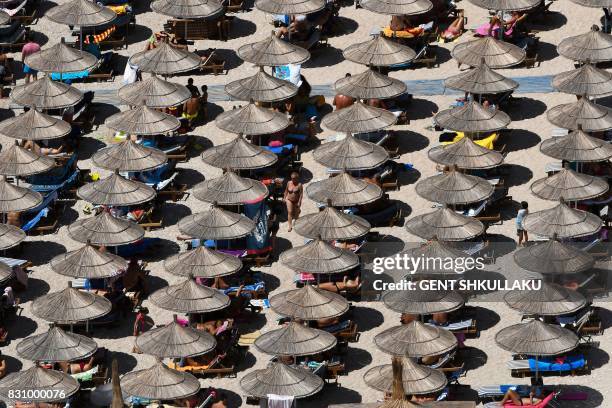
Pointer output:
202, 262
281, 379
416, 379
481, 80
445, 224
34, 125
18, 161
415, 339
160, 383
379, 52
422, 302
273, 52
165, 60
61, 58
46, 94
577, 146
465, 154
569, 185
190, 297
591, 116
331, 224
290, 7
350, 153
56, 345
216, 223
10, 236
240, 155
6, 272
188, 8
495, 53
318, 256
593, 46
142, 120
397, 7
153, 92
116, 190
70, 305
4, 18
175, 341
585, 80
358, 118
343, 190
89, 263
536, 338
252, 120
40, 384
472, 118
230, 188
594, 3
129, 156
506, 5
562, 221
81, 13
309, 303
550, 300
295, 339
454, 187
15, 198
554, 257
261, 87
105, 229
370, 84
438, 250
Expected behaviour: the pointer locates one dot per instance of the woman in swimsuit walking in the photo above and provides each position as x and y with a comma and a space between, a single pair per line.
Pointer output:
293, 198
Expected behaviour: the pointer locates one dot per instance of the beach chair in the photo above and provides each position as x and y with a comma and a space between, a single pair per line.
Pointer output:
214, 29
152, 218
346, 330
15, 39
212, 63
573, 365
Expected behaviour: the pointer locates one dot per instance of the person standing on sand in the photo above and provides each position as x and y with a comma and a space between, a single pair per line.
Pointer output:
520, 231
293, 198
28, 49
191, 109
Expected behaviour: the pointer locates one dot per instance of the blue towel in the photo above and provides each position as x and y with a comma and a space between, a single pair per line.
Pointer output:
34, 221
549, 364
254, 288
60, 186
69, 75
280, 149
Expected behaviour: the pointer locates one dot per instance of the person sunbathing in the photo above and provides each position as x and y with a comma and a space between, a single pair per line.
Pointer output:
219, 401
430, 360
513, 396
14, 218
20, 404
299, 29
400, 23
423, 398
190, 402
330, 321
77, 366
440, 319
406, 318
349, 285
32, 146
2, 366
455, 29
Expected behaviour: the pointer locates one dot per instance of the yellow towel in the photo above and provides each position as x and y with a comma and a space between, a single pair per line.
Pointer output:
249, 338
486, 142
410, 33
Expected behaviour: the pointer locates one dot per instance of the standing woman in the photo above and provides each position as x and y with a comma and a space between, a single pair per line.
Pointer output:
293, 198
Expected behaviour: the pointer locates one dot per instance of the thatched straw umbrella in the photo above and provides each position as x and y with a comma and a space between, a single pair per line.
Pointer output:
15, 198
6, 272
10, 236
454, 188
585, 80
117, 191
445, 224
331, 224
129, 156
273, 52
569, 185
81, 13
165, 60
465, 154
281, 379
343, 190
594, 3
153, 92
175, 341
577, 146
416, 379
4, 18
422, 302
593, 46
40, 384
441, 252
18, 161
159, 382
34, 125
358, 118
370, 84
350, 153
104, 229
397, 7
481, 80
554, 257
496, 53
230, 188
318, 256
290, 7
70, 305
60, 58
142, 120
239, 155
261, 87
472, 118
56, 345
216, 223
379, 52
415, 339
190, 9
550, 300
309, 303
89, 263
506, 5
202, 262
45, 93
189, 297
252, 120
562, 221
591, 116
295, 339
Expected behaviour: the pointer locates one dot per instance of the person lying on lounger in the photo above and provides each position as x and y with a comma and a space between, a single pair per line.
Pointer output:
349, 285
45, 151
77, 366
535, 397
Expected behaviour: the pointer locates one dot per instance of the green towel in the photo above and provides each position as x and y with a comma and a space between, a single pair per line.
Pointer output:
85, 375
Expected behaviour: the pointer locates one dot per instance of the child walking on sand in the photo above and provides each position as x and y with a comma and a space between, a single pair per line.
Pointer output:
520, 231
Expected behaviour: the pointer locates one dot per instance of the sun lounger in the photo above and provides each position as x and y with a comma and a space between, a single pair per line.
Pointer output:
346, 330
217, 28
42, 219
86, 376
14, 41
573, 365
388, 216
